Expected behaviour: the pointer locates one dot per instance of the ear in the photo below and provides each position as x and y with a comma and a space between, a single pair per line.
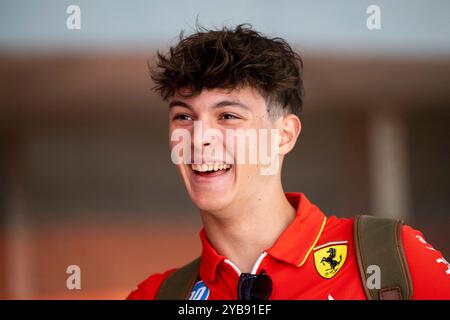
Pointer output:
290, 127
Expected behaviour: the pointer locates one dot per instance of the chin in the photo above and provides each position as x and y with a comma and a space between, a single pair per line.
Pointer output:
211, 203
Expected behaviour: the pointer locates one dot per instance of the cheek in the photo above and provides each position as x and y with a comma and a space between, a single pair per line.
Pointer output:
172, 144
180, 143
249, 174
172, 129
181, 169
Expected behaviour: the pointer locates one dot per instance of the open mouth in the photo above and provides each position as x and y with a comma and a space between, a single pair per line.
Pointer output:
210, 170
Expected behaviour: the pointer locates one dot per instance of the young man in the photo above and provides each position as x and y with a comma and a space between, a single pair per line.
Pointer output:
234, 90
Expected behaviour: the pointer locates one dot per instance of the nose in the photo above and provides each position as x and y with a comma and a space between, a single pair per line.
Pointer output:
206, 140
205, 135
202, 133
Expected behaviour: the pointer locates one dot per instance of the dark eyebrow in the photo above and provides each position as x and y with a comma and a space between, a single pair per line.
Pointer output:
221, 104
179, 103
227, 103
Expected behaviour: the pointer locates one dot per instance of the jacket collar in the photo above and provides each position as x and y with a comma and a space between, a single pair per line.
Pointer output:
293, 246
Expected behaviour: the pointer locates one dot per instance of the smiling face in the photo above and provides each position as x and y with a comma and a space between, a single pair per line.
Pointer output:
215, 183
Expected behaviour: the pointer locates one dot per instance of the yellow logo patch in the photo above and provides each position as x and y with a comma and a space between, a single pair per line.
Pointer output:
329, 260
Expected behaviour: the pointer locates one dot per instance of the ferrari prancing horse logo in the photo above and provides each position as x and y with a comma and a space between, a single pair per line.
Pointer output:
329, 260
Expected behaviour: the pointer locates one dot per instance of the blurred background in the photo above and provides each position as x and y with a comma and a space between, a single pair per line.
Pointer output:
85, 171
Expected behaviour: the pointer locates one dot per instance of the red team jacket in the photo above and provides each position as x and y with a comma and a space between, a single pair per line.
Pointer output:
294, 263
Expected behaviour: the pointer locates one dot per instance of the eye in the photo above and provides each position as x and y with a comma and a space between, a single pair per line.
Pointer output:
182, 117
228, 116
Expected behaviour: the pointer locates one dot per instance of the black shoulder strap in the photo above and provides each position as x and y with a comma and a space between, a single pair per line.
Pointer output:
179, 284
378, 241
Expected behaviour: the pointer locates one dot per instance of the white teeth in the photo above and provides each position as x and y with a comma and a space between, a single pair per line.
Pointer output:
203, 167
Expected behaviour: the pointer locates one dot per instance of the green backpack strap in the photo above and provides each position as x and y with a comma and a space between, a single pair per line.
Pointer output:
178, 285
378, 241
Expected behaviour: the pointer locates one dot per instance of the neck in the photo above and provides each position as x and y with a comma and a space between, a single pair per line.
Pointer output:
242, 232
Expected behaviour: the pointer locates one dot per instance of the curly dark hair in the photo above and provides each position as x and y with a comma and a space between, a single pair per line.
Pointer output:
229, 58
